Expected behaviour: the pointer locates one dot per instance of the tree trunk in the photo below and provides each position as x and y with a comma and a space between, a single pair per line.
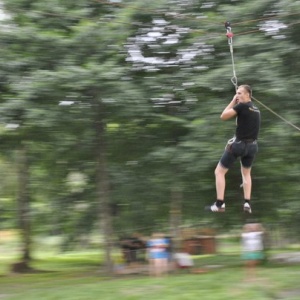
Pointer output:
175, 217
23, 210
103, 194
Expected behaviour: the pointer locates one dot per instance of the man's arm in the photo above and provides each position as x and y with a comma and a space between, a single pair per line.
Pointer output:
229, 112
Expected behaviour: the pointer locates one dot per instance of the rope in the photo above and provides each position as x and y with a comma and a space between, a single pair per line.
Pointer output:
267, 18
276, 114
230, 43
229, 35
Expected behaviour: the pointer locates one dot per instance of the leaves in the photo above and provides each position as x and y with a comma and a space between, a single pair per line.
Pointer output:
157, 77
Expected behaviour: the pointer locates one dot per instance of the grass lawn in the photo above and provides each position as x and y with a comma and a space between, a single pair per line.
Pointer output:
78, 276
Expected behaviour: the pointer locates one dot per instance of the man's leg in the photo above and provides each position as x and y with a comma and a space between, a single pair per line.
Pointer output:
247, 187
247, 182
227, 159
220, 173
219, 205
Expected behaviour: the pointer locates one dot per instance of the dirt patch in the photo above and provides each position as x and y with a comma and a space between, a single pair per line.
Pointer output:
132, 270
288, 294
292, 257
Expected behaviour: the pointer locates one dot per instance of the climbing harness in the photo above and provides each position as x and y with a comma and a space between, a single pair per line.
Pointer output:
234, 80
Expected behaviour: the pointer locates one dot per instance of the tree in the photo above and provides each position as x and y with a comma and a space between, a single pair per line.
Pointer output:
50, 72
140, 98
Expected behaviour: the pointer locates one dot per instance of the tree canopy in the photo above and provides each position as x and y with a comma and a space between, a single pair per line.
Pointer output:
116, 104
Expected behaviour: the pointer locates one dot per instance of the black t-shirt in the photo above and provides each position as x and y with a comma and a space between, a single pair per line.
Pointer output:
248, 121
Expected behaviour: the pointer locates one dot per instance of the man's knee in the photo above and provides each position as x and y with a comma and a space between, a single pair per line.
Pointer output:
220, 170
246, 172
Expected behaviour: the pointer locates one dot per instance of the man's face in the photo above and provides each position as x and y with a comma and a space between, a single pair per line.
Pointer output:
242, 95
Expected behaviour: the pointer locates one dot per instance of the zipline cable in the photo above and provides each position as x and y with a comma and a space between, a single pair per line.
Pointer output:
229, 35
266, 18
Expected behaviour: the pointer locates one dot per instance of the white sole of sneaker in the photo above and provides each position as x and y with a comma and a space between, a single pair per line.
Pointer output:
208, 208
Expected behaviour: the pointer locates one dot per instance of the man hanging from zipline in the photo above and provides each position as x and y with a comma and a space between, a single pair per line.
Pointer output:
243, 145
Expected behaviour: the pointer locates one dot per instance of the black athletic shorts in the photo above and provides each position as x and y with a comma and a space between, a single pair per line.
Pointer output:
235, 149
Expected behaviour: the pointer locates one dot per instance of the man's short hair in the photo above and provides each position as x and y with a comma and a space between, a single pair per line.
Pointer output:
247, 88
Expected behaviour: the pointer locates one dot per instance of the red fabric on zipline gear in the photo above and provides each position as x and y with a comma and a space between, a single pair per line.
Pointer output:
229, 34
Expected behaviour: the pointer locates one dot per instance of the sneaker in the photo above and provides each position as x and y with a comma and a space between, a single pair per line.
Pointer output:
247, 208
215, 208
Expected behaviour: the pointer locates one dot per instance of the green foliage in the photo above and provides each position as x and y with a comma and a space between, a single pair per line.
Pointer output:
157, 75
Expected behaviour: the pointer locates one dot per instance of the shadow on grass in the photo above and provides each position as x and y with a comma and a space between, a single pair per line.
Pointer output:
25, 268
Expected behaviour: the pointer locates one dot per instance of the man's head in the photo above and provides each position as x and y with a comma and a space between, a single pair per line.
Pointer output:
244, 93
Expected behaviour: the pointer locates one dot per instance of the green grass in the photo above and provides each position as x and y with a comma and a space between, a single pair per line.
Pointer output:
219, 284
79, 276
